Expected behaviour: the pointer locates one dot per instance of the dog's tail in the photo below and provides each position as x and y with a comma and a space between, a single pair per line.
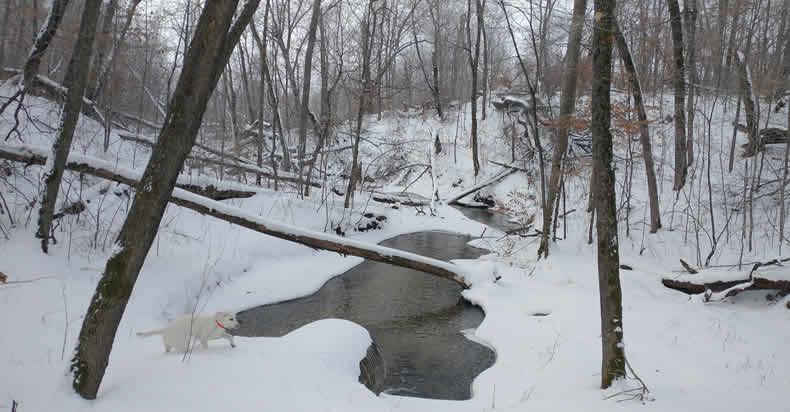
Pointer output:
151, 333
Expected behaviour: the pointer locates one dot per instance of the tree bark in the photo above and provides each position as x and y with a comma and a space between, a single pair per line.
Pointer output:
567, 106
681, 166
690, 22
76, 78
644, 131
613, 351
208, 53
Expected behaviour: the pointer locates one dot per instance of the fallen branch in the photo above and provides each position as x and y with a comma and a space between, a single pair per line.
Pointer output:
204, 205
37, 156
239, 165
509, 171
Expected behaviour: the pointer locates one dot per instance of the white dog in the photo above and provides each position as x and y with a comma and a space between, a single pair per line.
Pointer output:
179, 333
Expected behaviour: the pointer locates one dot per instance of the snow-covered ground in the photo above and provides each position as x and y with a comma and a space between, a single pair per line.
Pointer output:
693, 355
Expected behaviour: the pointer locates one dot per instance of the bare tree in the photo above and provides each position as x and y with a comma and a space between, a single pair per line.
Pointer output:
690, 22
208, 53
76, 79
42, 42
306, 79
644, 131
567, 107
678, 77
613, 359
474, 63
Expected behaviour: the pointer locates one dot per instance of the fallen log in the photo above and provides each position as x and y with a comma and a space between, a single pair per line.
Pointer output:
507, 172
207, 206
243, 166
696, 284
25, 155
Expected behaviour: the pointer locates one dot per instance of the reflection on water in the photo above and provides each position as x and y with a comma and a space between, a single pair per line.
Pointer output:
414, 318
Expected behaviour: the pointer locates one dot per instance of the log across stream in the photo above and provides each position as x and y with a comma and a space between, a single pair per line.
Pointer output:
415, 320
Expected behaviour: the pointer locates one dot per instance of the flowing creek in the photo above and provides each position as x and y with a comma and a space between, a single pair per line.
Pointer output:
416, 320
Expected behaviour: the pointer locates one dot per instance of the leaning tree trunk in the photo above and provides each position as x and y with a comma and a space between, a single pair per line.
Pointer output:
613, 359
208, 53
644, 132
567, 106
681, 166
76, 77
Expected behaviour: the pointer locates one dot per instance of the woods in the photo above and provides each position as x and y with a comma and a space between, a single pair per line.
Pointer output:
596, 134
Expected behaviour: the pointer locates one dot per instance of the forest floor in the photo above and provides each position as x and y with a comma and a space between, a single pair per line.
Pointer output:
692, 354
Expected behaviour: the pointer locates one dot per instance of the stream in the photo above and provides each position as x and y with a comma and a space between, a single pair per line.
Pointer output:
416, 320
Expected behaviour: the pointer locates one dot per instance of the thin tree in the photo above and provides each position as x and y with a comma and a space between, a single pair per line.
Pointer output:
306, 80
368, 34
613, 362
42, 42
644, 131
681, 161
690, 22
76, 79
474, 63
208, 53
567, 107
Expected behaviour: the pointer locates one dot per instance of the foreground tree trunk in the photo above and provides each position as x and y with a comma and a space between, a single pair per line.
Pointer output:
644, 132
681, 166
208, 53
613, 353
567, 107
76, 78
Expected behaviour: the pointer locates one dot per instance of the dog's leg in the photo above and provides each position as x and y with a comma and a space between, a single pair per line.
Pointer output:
204, 343
230, 339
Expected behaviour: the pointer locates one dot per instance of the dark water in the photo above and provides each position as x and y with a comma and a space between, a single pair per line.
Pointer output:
486, 217
414, 318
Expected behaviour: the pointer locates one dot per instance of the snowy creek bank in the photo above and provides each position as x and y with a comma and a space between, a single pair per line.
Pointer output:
417, 322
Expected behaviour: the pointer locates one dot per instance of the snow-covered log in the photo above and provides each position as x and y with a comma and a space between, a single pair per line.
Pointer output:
238, 162
729, 283
501, 175
186, 197
210, 188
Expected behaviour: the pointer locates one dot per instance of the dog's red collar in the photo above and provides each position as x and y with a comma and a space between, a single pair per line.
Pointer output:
219, 324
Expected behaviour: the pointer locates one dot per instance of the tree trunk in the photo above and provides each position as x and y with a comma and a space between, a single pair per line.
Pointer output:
690, 22
306, 79
76, 77
107, 64
208, 53
613, 353
567, 106
277, 126
474, 62
366, 90
644, 131
681, 166
43, 40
